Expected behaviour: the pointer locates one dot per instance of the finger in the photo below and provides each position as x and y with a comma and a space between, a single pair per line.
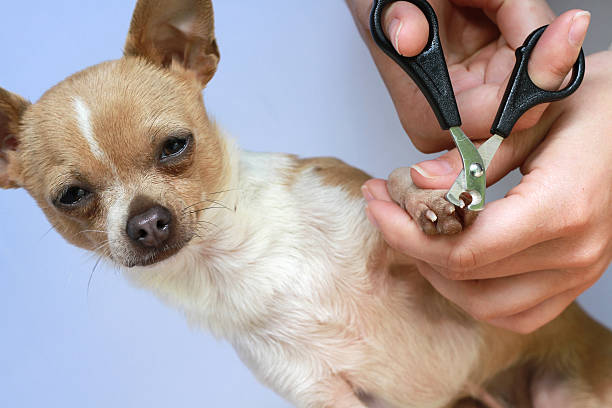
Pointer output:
546, 255
438, 173
492, 299
535, 211
558, 49
406, 28
573, 252
376, 189
478, 246
515, 19
507, 227
530, 320
398, 229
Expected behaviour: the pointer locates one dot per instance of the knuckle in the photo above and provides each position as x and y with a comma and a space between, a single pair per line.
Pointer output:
460, 261
585, 260
589, 255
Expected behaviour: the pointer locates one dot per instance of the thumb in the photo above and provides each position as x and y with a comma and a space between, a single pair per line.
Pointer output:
406, 28
439, 173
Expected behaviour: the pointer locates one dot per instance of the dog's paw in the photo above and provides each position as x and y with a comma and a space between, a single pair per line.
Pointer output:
428, 208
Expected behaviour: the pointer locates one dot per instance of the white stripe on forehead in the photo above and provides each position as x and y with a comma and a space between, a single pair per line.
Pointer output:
83, 116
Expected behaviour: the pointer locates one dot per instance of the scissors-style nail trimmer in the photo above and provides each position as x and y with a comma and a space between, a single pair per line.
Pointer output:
429, 71
520, 96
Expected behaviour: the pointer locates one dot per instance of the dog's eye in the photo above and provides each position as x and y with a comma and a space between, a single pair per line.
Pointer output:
73, 196
174, 147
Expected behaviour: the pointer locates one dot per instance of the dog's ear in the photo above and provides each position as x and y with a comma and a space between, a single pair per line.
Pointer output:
12, 108
169, 32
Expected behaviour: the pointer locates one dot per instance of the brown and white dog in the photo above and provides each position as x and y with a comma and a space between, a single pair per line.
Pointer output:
272, 252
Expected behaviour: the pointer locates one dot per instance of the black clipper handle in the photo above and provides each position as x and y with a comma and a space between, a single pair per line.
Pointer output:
428, 69
522, 94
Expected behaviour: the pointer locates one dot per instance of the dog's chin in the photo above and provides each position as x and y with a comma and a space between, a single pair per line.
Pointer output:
156, 256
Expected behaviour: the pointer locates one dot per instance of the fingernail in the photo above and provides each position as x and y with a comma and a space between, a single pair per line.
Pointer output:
433, 168
395, 28
371, 217
578, 30
366, 193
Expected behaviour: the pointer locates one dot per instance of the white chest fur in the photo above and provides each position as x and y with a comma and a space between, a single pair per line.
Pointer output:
286, 275
272, 239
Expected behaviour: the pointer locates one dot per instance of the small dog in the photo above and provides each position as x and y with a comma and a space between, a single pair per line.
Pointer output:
272, 252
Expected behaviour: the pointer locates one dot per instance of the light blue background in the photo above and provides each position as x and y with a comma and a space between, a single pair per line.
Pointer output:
294, 77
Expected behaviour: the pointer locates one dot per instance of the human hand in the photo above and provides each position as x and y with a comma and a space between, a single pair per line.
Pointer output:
479, 38
530, 254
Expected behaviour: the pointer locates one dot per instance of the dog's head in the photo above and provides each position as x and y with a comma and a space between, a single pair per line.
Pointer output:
119, 156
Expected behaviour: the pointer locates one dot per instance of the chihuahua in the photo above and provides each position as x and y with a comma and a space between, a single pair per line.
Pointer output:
272, 252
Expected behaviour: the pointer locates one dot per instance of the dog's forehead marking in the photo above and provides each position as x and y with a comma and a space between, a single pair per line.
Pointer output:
83, 115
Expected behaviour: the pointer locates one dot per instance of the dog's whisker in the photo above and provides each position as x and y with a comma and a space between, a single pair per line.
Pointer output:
93, 270
224, 191
201, 228
102, 245
207, 223
216, 202
53, 227
207, 208
193, 205
86, 231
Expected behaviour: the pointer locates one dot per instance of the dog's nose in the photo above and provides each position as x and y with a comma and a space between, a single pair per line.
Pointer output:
151, 228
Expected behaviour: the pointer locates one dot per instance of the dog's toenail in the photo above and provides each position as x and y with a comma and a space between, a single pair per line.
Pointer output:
431, 216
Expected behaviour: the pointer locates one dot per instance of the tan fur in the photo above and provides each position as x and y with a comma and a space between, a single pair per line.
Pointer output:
334, 172
118, 121
272, 252
166, 34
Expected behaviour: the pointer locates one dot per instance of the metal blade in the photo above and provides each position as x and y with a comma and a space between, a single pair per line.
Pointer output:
458, 187
488, 149
472, 179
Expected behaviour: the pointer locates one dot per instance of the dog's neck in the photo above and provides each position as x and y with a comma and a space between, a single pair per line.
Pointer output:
264, 230
237, 249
